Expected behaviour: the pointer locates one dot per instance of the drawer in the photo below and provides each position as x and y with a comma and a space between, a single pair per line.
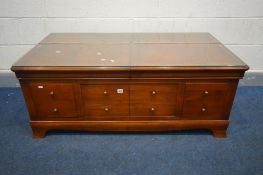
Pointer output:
205, 100
152, 109
113, 93
153, 93
94, 109
153, 100
52, 91
57, 109
54, 99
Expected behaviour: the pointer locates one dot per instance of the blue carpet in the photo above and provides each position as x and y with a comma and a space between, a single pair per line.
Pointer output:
188, 153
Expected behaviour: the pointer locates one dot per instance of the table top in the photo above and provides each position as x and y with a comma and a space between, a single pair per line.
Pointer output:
129, 50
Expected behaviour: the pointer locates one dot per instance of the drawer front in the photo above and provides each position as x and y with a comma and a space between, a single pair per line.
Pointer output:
152, 109
58, 109
106, 109
54, 99
153, 100
105, 100
205, 100
52, 91
106, 93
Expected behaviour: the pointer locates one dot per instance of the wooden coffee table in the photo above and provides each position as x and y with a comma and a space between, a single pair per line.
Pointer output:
129, 82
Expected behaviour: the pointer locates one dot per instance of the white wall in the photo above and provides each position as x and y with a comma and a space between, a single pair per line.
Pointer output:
236, 23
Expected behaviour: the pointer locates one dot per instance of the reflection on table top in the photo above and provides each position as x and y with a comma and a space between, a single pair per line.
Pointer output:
129, 50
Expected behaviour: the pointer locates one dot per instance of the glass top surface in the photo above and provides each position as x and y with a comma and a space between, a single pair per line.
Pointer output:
129, 50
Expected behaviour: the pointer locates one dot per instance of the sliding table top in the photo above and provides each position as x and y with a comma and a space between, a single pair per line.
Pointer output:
127, 50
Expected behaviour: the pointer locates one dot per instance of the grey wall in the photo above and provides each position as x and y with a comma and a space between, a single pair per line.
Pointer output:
236, 23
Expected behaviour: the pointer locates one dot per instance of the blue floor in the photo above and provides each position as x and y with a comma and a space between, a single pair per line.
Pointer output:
188, 153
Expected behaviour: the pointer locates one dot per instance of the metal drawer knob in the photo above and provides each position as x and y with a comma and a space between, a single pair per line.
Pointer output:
206, 92
203, 109
51, 93
106, 109
55, 110
105, 92
152, 109
153, 92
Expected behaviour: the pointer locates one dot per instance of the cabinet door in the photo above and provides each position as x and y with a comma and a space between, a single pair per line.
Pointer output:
53, 99
207, 100
105, 100
153, 100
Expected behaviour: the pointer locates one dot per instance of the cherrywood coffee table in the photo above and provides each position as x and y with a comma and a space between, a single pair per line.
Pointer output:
129, 82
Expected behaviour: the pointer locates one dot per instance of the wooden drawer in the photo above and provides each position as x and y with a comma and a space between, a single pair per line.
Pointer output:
54, 99
153, 93
152, 109
113, 93
52, 91
94, 109
105, 100
153, 100
205, 100
58, 109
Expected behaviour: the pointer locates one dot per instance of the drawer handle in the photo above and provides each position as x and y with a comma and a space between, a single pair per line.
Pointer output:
153, 92
106, 109
52, 93
152, 109
105, 92
203, 109
55, 110
206, 92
